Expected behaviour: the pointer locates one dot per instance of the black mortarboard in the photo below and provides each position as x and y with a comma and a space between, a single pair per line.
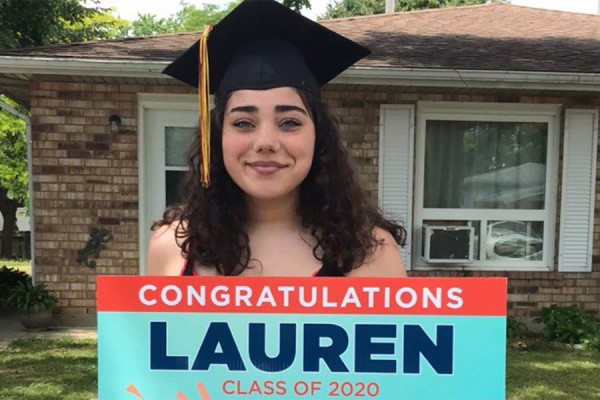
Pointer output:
235, 45
262, 44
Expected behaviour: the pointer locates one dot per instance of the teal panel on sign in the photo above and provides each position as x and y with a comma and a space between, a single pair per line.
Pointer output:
128, 347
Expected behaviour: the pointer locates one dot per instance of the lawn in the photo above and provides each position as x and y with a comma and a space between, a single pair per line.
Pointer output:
553, 374
49, 369
23, 265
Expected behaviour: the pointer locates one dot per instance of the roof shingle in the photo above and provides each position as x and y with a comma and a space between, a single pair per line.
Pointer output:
485, 37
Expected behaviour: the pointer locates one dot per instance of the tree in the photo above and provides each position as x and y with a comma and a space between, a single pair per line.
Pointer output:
36, 24
297, 5
52, 22
188, 19
351, 8
191, 18
13, 173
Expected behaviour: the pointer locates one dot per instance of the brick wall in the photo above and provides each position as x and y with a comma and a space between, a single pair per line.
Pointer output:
86, 177
528, 292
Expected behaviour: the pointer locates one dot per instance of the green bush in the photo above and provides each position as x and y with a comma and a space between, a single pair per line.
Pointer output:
569, 324
515, 328
10, 278
31, 298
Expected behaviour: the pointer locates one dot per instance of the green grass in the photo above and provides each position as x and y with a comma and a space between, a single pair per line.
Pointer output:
49, 369
553, 374
53, 369
23, 265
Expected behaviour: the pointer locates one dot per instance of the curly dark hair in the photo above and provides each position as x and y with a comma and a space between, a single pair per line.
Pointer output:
332, 205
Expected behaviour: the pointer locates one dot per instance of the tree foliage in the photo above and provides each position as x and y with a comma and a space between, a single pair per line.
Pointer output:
13, 173
191, 18
13, 154
351, 8
28, 23
297, 5
188, 19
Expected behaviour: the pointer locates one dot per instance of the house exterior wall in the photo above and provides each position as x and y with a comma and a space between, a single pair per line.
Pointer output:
85, 177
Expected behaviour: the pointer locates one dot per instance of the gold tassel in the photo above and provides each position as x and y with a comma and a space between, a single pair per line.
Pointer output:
204, 107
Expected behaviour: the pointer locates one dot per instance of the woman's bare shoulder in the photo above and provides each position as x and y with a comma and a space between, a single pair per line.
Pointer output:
385, 261
164, 254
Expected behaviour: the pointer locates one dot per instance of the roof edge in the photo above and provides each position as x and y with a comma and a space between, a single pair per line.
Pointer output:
474, 79
587, 82
79, 66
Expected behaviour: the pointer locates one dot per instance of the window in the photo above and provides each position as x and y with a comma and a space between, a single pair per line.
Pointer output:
492, 167
177, 143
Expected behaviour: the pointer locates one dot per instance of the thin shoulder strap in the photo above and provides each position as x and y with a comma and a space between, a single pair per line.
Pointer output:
188, 268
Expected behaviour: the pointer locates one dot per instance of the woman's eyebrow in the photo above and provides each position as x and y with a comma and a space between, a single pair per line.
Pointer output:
285, 108
246, 109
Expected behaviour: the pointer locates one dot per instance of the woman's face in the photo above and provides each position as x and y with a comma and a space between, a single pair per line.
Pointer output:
268, 142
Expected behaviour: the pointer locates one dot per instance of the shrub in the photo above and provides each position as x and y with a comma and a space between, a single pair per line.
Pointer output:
10, 278
568, 324
515, 328
31, 298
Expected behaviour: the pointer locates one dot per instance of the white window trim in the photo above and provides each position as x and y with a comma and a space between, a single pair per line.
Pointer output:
491, 112
146, 101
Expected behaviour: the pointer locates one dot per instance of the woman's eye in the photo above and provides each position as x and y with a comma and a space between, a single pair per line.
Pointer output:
289, 123
243, 124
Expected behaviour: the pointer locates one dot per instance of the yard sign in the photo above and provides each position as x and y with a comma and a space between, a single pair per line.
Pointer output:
315, 338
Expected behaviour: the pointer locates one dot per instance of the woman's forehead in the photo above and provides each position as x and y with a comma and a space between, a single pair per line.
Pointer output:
265, 98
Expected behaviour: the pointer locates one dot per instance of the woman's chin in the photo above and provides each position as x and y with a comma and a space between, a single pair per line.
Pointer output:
267, 193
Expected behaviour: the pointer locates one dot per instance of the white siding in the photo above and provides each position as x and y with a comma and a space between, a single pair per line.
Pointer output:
396, 149
578, 191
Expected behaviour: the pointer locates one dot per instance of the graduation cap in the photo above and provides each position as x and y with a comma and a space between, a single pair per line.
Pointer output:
261, 45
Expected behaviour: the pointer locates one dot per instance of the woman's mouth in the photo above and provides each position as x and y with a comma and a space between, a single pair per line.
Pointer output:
266, 167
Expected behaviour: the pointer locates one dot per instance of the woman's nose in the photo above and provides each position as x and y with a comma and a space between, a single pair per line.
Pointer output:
267, 138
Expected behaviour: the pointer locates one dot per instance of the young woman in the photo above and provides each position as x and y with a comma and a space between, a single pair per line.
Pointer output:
284, 200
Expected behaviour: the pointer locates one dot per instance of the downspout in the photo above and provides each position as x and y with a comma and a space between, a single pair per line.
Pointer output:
27, 120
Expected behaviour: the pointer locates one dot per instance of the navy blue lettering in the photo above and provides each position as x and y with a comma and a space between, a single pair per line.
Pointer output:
158, 350
218, 333
258, 352
439, 354
365, 348
313, 351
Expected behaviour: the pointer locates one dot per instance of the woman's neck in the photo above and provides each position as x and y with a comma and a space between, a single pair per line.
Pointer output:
278, 213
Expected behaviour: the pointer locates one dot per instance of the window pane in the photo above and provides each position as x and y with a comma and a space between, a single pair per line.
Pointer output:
172, 181
514, 240
177, 142
483, 164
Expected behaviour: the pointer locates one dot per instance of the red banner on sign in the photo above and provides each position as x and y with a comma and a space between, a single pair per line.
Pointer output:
401, 296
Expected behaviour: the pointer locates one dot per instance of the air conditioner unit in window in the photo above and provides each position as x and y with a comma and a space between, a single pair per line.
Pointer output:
448, 244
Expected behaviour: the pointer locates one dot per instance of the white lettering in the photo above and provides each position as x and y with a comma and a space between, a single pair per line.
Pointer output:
243, 294
386, 299
164, 295
326, 302
454, 294
266, 296
371, 295
219, 296
313, 299
199, 295
412, 301
351, 297
142, 295
286, 290
436, 299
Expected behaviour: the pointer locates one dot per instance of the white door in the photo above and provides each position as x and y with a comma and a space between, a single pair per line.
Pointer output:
166, 138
